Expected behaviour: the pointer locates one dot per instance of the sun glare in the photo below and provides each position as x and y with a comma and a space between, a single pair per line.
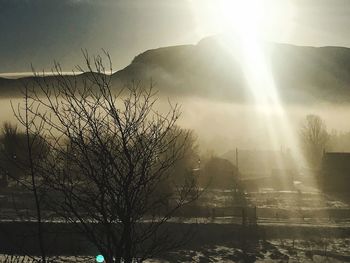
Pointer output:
246, 24
243, 21
266, 19
242, 17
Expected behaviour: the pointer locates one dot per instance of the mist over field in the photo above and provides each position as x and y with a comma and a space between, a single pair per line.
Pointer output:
223, 126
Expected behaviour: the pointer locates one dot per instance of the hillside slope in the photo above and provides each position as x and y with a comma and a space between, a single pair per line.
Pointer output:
214, 69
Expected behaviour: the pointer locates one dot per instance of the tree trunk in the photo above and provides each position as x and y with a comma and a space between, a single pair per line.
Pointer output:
128, 243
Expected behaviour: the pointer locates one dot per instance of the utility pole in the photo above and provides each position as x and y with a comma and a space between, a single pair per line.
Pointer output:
237, 159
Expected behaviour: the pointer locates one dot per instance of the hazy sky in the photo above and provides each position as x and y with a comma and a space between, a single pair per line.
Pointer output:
40, 31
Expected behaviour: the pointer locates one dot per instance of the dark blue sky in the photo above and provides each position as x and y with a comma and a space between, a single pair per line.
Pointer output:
40, 31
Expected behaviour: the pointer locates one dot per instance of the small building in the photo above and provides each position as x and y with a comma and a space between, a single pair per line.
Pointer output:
335, 172
264, 169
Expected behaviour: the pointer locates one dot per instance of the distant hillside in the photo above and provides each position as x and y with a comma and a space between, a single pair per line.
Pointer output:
209, 69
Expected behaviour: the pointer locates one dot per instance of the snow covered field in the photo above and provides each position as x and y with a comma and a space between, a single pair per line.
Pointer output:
282, 250
299, 227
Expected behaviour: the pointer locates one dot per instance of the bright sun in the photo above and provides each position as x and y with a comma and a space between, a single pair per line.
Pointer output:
242, 17
268, 19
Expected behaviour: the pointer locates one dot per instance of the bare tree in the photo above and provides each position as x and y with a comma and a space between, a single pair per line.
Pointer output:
20, 154
110, 152
36, 150
314, 137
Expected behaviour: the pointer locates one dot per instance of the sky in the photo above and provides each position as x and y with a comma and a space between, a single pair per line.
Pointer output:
40, 31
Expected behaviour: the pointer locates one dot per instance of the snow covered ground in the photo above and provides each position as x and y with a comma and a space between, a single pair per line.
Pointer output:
323, 250
308, 209
286, 250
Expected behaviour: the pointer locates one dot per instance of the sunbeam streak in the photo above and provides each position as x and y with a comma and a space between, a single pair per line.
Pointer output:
243, 20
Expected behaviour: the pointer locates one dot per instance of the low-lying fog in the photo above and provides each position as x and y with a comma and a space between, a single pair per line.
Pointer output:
224, 126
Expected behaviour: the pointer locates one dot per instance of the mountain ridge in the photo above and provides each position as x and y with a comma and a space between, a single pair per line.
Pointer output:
213, 69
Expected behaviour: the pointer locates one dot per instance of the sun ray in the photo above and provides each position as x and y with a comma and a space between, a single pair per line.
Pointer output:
245, 23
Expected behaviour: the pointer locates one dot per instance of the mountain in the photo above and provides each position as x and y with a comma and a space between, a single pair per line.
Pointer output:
205, 69
213, 69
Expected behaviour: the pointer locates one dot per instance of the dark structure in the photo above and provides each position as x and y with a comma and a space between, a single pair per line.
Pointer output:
3, 180
335, 173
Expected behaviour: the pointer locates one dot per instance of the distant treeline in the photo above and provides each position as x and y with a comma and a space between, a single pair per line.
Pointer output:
211, 171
